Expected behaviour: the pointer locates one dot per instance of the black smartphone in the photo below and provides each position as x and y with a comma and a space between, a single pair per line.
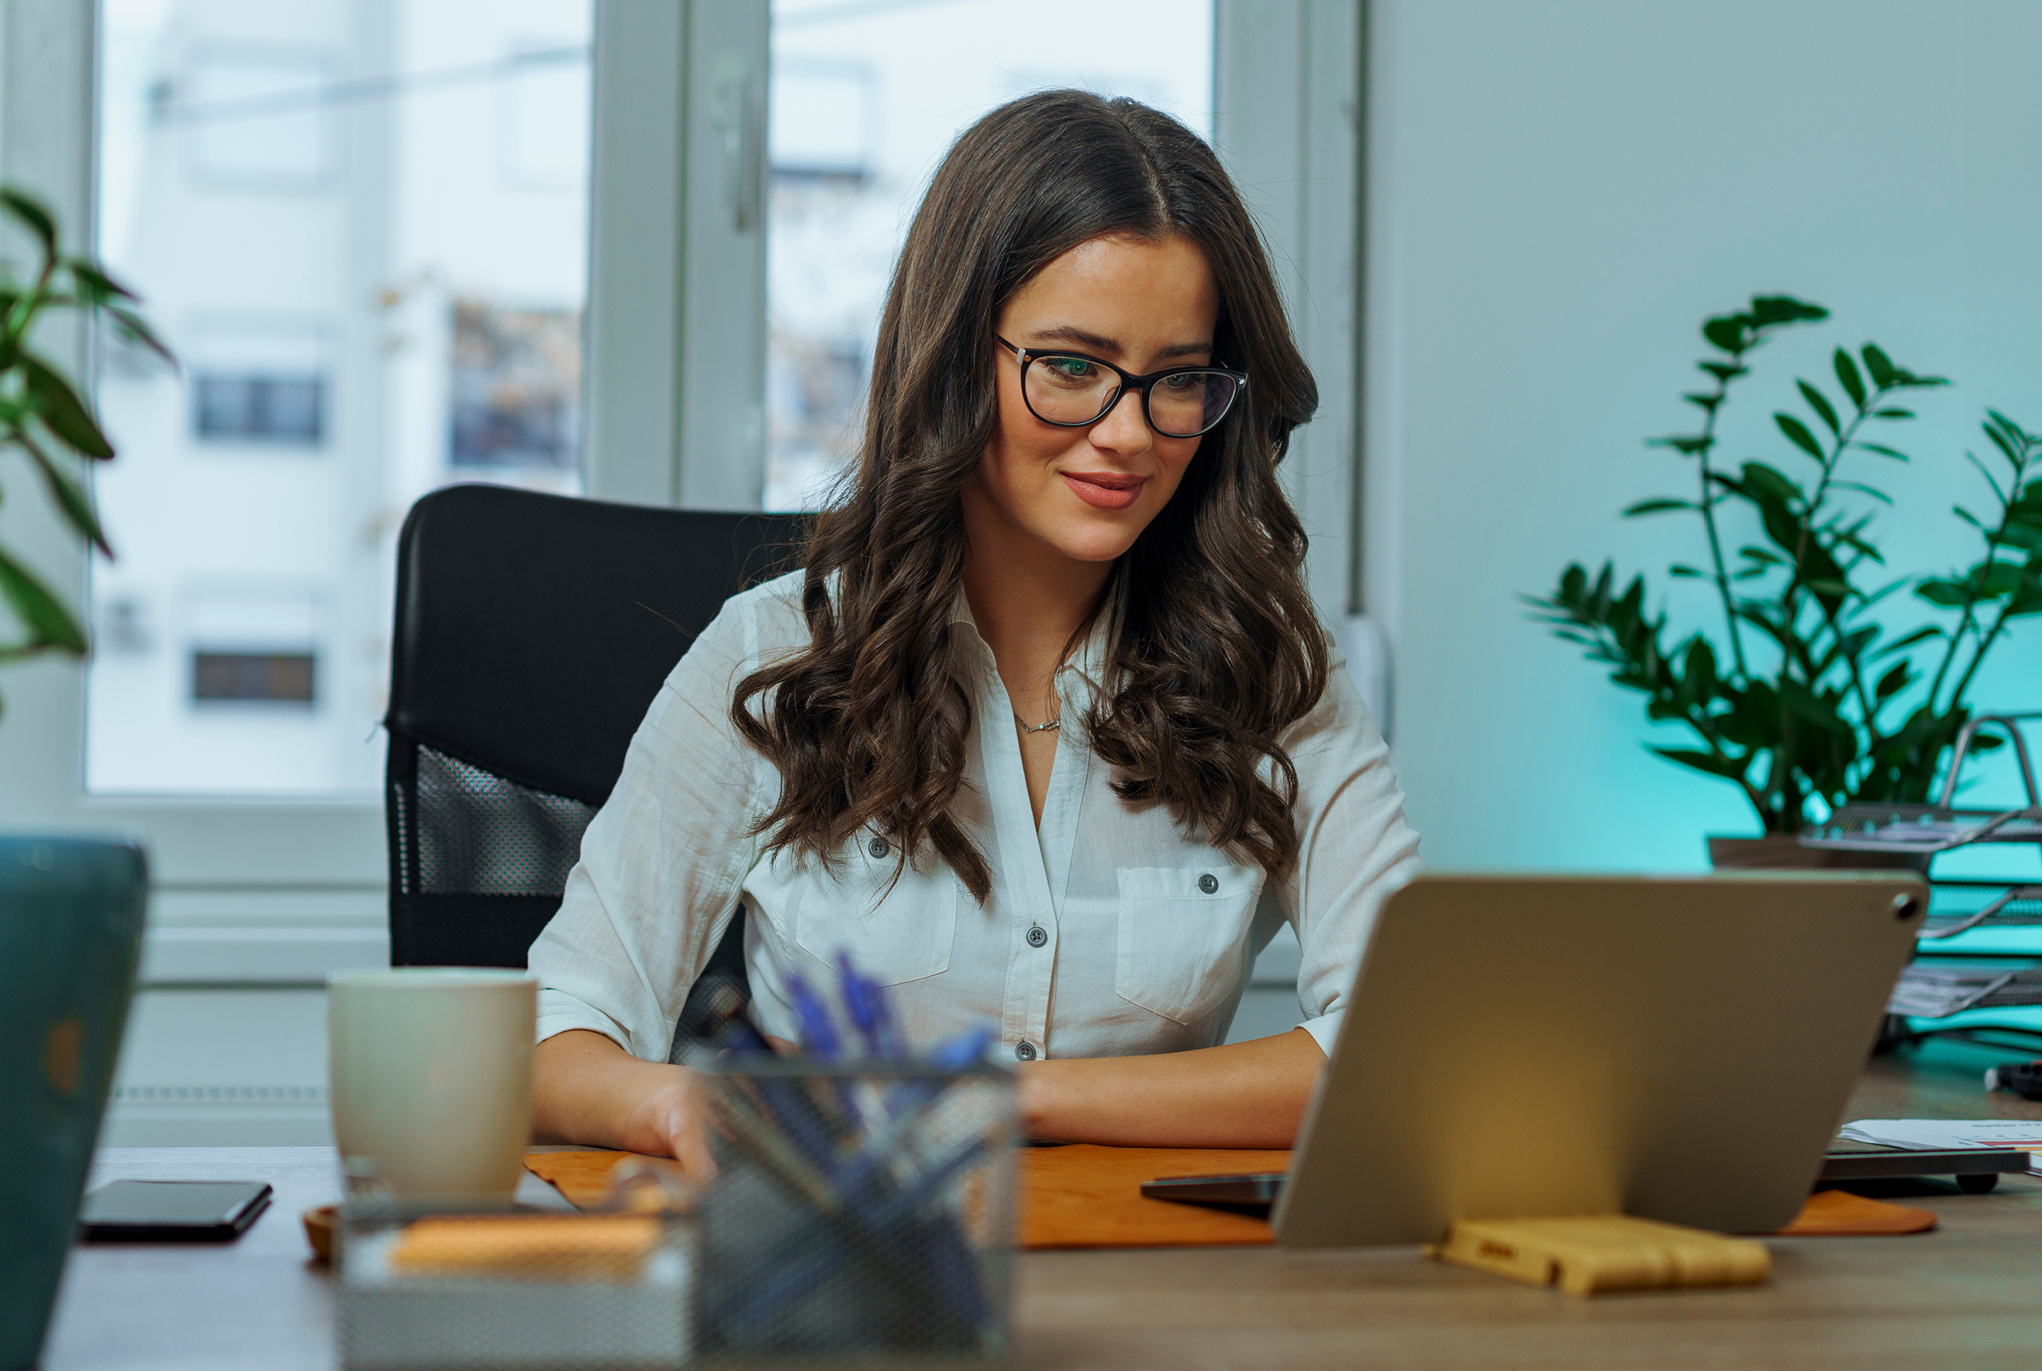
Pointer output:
172, 1211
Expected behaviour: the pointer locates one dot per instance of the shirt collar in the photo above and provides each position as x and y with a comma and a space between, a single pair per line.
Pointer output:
1090, 658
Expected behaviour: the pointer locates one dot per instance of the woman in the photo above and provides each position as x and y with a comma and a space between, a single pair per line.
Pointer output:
1045, 736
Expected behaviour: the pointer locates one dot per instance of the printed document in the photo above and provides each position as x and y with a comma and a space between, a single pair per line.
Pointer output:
1936, 1135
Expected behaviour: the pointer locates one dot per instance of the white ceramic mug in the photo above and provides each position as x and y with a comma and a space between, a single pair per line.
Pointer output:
432, 1076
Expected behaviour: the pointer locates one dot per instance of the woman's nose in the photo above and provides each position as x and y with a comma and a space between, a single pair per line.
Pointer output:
1123, 429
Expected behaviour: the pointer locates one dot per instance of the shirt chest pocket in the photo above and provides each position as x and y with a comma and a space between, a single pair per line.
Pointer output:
1183, 936
894, 930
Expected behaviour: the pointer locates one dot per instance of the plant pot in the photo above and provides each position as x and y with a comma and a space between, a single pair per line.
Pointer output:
1784, 852
70, 934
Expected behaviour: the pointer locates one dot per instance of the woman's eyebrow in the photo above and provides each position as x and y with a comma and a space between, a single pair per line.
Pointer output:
1071, 333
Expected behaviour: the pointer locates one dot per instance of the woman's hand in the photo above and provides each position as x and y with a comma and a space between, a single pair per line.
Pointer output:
672, 1121
587, 1089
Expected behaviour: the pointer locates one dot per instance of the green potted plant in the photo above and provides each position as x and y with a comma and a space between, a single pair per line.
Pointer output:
70, 907
1803, 696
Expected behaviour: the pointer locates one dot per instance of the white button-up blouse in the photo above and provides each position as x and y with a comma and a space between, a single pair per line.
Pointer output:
1109, 931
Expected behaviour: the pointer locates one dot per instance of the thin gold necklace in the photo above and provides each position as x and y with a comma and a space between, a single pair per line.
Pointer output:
1027, 727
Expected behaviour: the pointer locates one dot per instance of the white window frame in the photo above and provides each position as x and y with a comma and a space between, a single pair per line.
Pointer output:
271, 891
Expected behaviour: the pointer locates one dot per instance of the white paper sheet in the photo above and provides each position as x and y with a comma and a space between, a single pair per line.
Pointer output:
1934, 1135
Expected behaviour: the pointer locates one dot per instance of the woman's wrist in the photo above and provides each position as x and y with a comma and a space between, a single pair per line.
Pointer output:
1043, 1094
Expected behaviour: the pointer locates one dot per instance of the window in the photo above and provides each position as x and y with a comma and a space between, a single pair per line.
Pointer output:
865, 100
254, 646
362, 228
280, 409
254, 380
515, 388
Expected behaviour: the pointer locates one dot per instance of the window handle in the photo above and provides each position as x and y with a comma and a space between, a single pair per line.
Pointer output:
734, 112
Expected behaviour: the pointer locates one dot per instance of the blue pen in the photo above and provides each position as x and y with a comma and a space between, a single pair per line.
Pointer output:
866, 1002
852, 987
818, 1033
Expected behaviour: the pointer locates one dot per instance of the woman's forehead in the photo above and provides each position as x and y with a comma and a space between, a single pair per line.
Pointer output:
1137, 293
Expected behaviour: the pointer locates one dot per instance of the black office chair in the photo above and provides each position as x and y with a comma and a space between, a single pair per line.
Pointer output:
532, 633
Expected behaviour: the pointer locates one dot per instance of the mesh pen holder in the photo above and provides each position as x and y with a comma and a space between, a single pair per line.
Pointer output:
440, 1286
862, 1211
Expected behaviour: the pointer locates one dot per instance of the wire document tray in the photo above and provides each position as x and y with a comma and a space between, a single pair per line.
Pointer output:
1941, 986
1960, 906
1942, 825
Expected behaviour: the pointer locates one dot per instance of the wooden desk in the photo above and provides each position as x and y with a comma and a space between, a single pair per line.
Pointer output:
1967, 1295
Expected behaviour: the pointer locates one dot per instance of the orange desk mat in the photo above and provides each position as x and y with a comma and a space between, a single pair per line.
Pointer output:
1087, 1196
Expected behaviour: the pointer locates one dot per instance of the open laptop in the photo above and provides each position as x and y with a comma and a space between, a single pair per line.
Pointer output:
1678, 1048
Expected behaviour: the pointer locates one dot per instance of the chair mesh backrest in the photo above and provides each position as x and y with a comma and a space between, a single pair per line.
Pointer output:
483, 835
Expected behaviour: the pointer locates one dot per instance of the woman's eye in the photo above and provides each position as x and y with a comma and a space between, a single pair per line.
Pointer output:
1184, 384
1070, 368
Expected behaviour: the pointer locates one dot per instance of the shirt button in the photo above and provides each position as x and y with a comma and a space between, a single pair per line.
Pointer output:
1209, 883
1037, 936
878, 848
1025, 1050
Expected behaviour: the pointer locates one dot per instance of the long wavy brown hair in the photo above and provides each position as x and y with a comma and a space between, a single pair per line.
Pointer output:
1216, 648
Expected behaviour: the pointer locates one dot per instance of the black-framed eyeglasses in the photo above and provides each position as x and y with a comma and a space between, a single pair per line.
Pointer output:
1071, 390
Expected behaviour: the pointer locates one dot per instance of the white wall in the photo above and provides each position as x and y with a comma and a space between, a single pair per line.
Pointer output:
1559, 192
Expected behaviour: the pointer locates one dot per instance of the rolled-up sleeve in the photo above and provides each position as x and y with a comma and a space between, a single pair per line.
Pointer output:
1354, 848
662, 862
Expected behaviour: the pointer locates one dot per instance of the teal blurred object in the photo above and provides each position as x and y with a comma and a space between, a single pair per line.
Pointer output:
70, 934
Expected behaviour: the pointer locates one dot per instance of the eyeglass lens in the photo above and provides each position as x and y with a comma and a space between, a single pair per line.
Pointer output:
1077, 390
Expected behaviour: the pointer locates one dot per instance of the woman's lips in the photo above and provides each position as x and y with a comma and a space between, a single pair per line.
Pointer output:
1105, 489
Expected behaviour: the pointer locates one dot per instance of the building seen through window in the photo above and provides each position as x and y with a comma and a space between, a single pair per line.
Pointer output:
361, 225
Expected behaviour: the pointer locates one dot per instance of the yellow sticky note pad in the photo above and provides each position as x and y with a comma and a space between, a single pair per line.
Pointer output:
1590, 1253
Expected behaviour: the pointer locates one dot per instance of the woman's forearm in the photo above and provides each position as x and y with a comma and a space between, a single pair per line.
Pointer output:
1250, 1094
587, 1089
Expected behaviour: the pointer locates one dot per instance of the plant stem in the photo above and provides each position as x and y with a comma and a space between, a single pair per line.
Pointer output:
1978, 657
1969, 619
1993, 542
1790, 598
1709, 522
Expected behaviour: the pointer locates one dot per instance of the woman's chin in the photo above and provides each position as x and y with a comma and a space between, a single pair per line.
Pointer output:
1095, 544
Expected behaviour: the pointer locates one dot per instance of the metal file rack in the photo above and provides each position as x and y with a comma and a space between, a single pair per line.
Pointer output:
1941, 983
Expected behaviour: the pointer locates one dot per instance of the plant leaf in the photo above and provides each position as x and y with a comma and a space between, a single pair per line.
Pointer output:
1879, 365
1938, 590
1882, 450
1847, 377
2005, 444
49, 623
1729, 332
62, 410
1768, 310
1819, 402
132, 326
1901, 644
29, 212
1659, 506
70, 497
1798, 434
1881, 496
95, 285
